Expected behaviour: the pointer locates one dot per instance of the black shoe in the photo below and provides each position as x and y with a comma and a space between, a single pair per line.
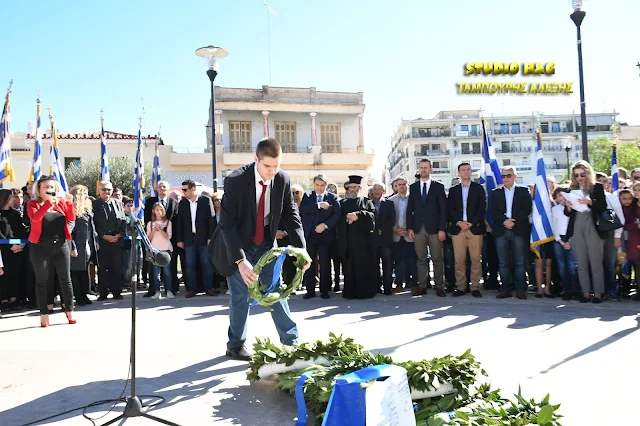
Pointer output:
87, 301
118, 297
567, 296
150, 293
388, 292
476, 293
80, 302
596, 300
538, 296
458, 293
325, 295
585, 299
504, 295
101, 298
309, 296
550, 295
240, 354
521, 295
440, 292
450, 289
336, 288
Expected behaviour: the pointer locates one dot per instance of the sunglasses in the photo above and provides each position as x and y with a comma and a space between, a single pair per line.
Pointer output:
637, 177
296, 192
507, 176
184, 189
106, 189
577, 175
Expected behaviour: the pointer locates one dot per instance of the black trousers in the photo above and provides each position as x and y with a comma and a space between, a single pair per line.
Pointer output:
334, 253
9, 286
110, 268
45, 256
80, 280
177, 253
322, 250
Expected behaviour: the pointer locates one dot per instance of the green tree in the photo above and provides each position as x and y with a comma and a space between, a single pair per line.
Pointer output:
121, 171
600, 154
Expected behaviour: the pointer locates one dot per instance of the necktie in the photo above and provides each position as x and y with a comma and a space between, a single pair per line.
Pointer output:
424, 191
259, 236
319, 198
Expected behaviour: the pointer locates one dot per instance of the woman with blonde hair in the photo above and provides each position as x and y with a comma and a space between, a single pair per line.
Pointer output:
83, 244
587, 243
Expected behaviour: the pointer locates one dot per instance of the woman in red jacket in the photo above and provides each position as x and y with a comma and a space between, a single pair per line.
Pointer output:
50, 216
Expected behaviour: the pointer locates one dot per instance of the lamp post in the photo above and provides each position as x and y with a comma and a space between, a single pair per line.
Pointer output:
567, 147
577, 16
213, 53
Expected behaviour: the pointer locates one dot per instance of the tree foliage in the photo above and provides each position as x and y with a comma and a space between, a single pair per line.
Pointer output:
600, 154
121, 171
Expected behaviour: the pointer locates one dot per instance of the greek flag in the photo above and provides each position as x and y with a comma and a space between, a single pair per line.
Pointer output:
56, 169
490, 175
36, 166
622, 267
155, 174
541, 230
6, 166
138, 181
104, 160
615, 183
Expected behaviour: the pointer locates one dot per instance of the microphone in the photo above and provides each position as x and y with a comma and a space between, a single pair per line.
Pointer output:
155, 256
160, 258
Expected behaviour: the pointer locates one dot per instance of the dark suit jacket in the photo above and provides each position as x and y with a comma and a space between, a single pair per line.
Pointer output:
205, 218
598, 206
385, 221
312, 216
476, 208
172, 213
101, 220
432, 213
520, 211
237, 225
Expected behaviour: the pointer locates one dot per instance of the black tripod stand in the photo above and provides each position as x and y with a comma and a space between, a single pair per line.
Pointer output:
134, 405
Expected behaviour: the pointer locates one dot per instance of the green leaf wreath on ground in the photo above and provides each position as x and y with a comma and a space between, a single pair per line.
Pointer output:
258, 291
467, 404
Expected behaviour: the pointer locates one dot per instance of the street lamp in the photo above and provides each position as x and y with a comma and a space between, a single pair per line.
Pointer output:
577, 16
567, 147
213, 53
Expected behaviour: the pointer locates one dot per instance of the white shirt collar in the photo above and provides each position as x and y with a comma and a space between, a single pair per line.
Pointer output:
428, 181
510, 190
259, 178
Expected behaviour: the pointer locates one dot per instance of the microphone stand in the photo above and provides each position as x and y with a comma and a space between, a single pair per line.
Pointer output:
134, 405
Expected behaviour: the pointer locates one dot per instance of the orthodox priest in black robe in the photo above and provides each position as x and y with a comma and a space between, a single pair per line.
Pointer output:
355, 230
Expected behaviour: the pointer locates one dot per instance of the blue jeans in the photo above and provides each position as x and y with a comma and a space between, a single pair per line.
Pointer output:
610, 259
239, 303
190, 253
405, 263
567, 269
166, 271
507, 245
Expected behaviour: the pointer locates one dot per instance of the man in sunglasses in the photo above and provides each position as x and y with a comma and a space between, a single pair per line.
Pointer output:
510, 210
635, 175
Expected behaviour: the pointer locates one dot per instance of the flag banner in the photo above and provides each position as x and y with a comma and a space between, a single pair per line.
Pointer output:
6, 166
155, 174
138, 181
36, 165
104, 159
56, 169
490, 175
615, 183
541, 230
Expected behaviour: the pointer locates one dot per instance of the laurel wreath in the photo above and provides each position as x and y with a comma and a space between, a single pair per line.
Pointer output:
261, 293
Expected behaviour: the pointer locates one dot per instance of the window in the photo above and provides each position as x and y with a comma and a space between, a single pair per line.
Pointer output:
555, 127
519, 180
240, 136
506, 162
544, 127
476, 148
71, 160
440, 164
466, 148
515, 129
504, 129
286, 135
330, 137
464, 127
506, 147
435, 146
476, 164
474, 130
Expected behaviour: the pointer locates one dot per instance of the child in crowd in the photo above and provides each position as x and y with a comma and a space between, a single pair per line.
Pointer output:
565, 259
159, 233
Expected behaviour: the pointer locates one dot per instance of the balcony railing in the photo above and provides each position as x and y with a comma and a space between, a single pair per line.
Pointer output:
439, 134
552, 148
468, 133
398, 159
556, 166
468, 152
514, 149
441, 171
432, 153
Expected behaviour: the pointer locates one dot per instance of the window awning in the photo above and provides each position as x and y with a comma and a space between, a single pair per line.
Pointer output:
598, 121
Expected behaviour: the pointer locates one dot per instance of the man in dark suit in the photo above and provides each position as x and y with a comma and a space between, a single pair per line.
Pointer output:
320, 212
195, 228
171, 208
467, 206
110, 223
427, 222
382, 238
256, 196
510, 210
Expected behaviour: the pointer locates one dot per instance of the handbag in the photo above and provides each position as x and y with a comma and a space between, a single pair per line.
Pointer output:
608, 221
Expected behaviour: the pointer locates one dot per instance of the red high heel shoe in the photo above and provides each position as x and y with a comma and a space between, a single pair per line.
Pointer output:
72, 321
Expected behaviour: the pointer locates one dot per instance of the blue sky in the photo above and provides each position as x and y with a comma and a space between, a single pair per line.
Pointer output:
405, 55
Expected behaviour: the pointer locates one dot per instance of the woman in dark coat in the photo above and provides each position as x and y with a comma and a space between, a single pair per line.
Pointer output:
83, 244
8, 283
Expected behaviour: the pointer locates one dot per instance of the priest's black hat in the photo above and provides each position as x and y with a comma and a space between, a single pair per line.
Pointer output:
355, 179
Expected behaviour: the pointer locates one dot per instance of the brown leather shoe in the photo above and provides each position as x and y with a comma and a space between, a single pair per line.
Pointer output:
189, 295
399, 289
415, 291
211, 293
440, 292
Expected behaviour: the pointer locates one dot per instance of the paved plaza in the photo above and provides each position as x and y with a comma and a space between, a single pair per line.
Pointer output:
586, 356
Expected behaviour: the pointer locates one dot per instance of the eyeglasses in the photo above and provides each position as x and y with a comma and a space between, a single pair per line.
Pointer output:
184, 189
296, 192
636, 177
577, 175
507, 176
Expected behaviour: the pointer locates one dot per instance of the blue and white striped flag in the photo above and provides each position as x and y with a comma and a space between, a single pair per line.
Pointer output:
541, 229
155, 174
36, 165
56, 169
6, 166
490, 174
104, 160
615, 182
138, 181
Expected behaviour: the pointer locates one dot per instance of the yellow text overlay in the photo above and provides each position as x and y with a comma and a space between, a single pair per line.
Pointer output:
552, 88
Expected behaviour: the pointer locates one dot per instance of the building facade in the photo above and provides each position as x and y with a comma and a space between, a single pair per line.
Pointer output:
320, 132
453, 137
